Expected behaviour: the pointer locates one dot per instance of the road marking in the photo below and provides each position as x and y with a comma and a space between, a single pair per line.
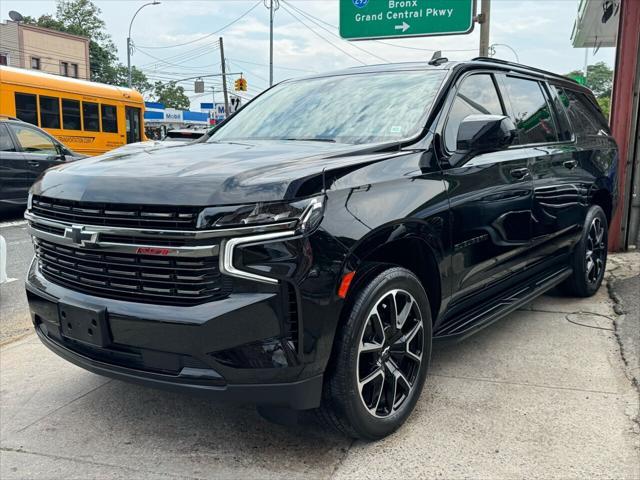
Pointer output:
9, 280
17, 223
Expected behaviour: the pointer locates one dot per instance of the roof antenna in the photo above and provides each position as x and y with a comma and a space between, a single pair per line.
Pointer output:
437, 58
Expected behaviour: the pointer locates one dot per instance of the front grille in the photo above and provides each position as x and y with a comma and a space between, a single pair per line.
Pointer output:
116, 215
140, 278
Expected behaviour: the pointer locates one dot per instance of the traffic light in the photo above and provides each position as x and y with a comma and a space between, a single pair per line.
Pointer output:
241, 85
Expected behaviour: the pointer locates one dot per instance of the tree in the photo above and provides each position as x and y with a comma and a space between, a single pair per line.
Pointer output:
82, 17
171, 95
599, 78
605, 105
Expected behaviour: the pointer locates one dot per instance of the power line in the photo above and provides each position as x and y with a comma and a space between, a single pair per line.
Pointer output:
275, 66
209, 34
312, 20
183, 57
317, 34
181, 64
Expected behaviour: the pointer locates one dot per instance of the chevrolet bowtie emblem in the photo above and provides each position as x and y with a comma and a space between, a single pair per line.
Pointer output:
78, 235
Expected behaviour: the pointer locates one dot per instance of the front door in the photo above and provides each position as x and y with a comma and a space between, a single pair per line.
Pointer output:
12, 166
132, 116
39, 151
490, 199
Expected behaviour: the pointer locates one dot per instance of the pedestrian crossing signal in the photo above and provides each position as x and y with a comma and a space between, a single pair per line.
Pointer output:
241, 85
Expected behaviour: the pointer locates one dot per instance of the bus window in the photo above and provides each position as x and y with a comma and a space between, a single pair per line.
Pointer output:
49, 112
90, 117
109, 119
132, 115
71, 114
26, 108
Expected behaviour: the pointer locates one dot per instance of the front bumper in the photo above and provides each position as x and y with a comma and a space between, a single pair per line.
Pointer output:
301, 395
228, 350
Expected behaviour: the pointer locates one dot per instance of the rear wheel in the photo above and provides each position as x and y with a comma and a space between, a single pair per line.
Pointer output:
381, 357
589, 258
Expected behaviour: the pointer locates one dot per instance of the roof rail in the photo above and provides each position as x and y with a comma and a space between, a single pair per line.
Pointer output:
525, 67
7, 117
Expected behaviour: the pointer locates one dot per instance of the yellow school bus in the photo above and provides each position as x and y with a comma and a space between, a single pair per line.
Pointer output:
90, 118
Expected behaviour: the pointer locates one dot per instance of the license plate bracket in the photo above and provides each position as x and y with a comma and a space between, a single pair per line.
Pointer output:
84, 323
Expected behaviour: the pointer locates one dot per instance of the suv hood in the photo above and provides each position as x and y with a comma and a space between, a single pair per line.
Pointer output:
202, 174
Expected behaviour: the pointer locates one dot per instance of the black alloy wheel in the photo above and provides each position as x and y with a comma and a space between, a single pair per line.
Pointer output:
589, 257
381, 355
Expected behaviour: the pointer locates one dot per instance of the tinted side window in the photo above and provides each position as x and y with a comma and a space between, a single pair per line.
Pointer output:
33, 141
530, 111
585, 118
564, 127
476, 95
70, 114
6, 143
109, 119
49, 112
90, 117
26, 108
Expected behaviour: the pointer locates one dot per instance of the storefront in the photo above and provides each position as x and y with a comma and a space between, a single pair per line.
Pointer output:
158, 119
614, 23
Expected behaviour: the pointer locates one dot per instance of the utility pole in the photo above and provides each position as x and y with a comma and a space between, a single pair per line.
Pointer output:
484, 20
224, 80
272, 6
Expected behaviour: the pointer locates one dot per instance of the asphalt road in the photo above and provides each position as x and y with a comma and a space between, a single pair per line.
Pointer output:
14, 314
545, 393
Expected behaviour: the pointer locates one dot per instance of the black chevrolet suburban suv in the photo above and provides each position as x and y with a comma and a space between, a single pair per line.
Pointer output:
308, 251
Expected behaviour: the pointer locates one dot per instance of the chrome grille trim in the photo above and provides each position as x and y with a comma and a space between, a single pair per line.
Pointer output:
54, 231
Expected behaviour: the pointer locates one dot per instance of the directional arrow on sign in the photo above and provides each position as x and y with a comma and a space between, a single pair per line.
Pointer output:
404, 27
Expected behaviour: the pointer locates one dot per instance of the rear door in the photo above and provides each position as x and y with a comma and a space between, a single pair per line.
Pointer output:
12, 166
39, 151
490, 199
559, 190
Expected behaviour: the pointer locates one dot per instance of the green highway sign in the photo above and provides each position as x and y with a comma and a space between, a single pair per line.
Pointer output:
579, 79
370, 19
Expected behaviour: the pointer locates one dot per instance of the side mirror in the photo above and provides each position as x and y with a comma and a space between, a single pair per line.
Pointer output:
484, 133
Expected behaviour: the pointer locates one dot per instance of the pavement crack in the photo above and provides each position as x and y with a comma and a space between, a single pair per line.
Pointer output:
342, 458
524, 384
63, 406
94, 463
620, 312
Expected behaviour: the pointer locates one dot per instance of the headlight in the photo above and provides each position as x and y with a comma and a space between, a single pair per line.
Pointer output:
304, 215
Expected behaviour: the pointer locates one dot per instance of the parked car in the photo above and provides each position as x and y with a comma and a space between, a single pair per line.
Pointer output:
25, 152
184, 134
308, 253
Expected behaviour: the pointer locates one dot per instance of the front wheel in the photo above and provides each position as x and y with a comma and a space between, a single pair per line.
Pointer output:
381, 357
589, 257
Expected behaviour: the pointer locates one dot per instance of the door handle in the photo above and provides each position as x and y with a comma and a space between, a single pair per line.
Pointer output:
33, 163
519, 172
570, 164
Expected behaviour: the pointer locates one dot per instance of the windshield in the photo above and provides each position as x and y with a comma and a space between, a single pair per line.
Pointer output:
355, 109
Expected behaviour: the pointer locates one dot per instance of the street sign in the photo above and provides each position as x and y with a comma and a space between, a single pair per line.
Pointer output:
579, 79
370, 19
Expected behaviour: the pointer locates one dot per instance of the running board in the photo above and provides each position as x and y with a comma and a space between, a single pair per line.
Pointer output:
478, 318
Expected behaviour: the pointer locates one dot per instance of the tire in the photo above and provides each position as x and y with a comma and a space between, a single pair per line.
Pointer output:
589, 257
367, 352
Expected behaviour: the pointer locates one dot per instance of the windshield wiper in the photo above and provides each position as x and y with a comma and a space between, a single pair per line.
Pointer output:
329, 140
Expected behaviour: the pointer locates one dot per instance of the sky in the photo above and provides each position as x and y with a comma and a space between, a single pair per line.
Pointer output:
306, 40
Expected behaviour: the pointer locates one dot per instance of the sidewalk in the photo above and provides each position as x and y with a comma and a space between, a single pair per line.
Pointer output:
543, 393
